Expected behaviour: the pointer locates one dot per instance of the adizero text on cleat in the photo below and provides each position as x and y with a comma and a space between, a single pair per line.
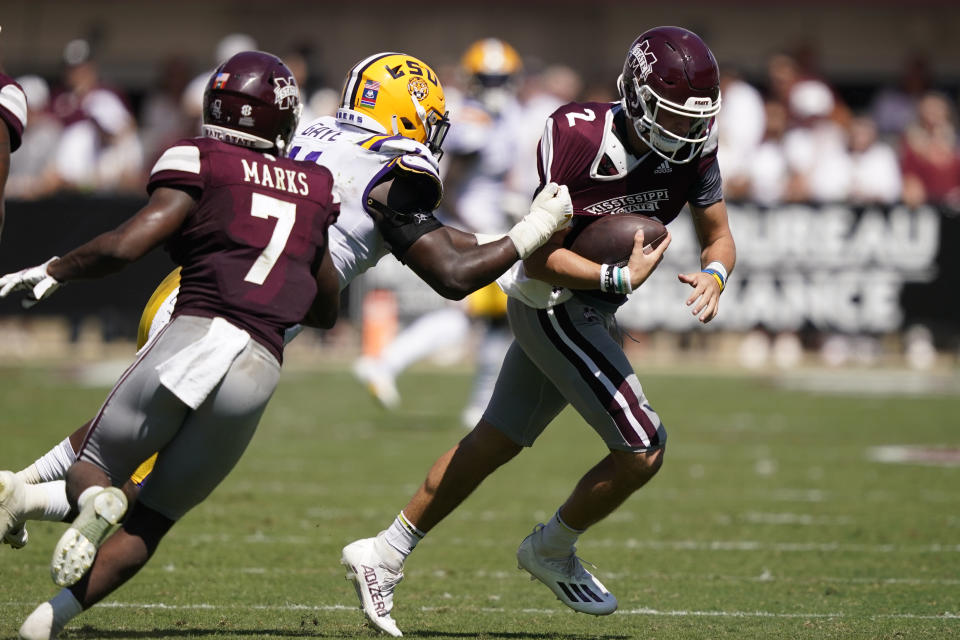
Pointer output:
374, 582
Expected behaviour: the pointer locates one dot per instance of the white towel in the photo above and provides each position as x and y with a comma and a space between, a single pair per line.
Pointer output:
193, 372
533, 293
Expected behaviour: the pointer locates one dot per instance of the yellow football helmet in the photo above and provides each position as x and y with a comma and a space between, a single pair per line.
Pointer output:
395, 93
491, 67
491, 62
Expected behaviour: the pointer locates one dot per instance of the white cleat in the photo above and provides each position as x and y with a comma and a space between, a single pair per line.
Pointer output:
40, 625
374, 582
381, 385
77, 548
12, 502
573, 585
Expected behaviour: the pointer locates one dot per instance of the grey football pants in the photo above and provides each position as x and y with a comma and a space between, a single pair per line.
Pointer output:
196, 449
563, 355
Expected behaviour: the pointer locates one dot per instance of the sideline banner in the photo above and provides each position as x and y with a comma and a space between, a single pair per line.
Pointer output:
827, 268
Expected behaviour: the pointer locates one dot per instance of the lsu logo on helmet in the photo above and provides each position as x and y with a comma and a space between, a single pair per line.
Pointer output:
396, 94
418, 88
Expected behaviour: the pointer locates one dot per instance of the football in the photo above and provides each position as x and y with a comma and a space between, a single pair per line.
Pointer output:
609, 239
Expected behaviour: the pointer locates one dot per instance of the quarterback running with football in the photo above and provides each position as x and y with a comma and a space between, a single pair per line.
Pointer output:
652, 153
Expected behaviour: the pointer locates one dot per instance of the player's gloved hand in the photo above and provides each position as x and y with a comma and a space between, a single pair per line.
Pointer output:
36, 279
550, 211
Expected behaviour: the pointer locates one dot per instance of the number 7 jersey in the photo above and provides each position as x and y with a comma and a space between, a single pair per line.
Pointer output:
251, 247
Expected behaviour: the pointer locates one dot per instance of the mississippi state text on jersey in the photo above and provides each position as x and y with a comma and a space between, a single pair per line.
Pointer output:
251, 247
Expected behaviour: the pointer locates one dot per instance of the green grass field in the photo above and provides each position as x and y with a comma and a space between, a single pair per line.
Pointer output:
768, 520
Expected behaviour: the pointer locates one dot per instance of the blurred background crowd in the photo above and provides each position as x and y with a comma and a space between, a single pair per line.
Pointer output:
790, 135
825, 107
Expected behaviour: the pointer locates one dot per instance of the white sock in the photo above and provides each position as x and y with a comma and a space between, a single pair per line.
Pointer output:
47, 501
65, 607
49, 619
403, 535
52, 465
87, 494
557, 537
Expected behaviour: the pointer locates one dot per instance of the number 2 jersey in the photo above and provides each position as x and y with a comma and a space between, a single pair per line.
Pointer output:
585, 146
251, 247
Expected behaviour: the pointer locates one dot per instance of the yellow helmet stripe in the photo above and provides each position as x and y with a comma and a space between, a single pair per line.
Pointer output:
352, 85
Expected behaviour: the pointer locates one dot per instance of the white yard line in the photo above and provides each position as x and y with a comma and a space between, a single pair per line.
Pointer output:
682, 613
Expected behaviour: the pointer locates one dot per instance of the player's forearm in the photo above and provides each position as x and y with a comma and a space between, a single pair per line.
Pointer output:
722, 250
454, 264
477, 267
101, 256
563, 268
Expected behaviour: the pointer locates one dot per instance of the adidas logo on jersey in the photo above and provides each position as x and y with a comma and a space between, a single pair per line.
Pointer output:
663, 168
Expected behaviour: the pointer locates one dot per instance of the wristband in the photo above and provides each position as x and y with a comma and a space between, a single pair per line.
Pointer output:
717, 270
615, 279
717, 266
623, 280
606, 278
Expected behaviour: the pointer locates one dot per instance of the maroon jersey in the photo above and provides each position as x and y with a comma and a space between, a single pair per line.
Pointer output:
13, 109
584, 146
251, 247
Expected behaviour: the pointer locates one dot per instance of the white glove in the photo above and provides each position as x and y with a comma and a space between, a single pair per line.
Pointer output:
550, 211
40, 283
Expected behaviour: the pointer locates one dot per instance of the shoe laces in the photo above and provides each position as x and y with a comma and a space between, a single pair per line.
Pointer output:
571, 566
390, 580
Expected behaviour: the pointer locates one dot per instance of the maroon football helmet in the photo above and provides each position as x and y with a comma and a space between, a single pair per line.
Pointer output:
671, 75
252, 100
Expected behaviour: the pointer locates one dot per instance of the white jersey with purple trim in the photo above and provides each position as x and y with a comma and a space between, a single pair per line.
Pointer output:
358, 159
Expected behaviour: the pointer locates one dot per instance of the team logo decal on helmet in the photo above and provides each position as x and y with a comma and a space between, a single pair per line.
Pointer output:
644, 57
285, 93
418, 88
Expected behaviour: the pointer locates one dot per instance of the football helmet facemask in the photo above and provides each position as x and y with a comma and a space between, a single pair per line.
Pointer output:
396, 94
491, 67
252, 100
671, 75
